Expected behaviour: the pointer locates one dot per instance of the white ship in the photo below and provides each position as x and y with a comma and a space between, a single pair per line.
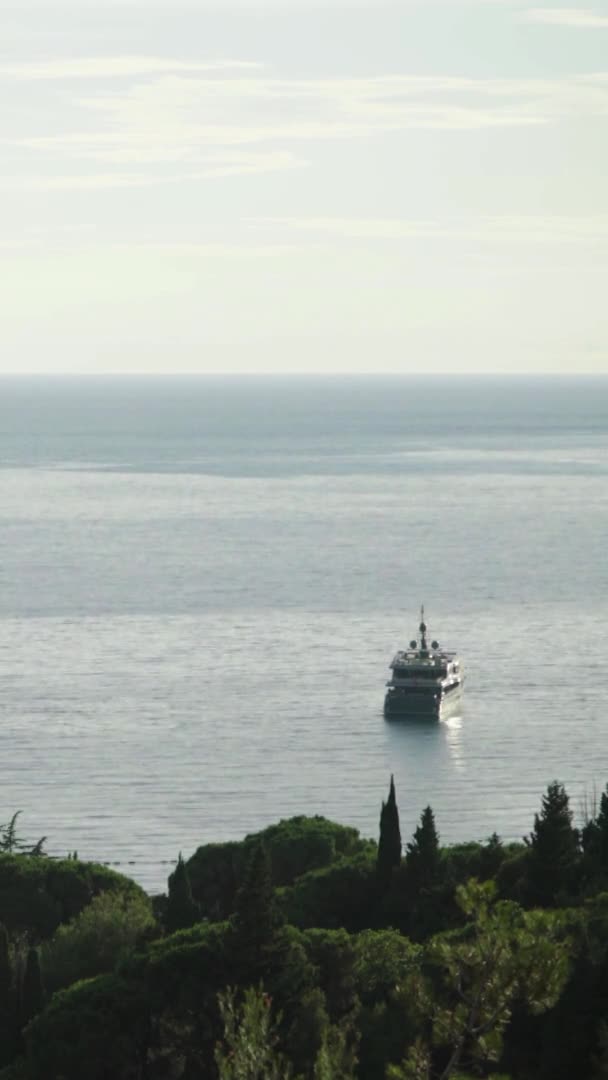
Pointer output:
426, 681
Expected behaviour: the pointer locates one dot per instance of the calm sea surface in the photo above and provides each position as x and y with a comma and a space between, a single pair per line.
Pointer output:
202, 583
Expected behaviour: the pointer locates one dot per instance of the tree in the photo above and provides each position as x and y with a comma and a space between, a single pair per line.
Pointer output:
8, 1024
337, 1058
594, 836
422, 856
32, 990
256, 914
11, 842
182, 910
6, 973
98, 1028
389, 844
475, 975
554, 845
92, 943
248, 1050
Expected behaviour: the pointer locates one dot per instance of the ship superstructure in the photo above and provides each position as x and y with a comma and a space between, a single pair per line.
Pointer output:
426, 680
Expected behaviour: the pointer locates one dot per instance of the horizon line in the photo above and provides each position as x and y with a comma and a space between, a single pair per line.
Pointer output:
85, 375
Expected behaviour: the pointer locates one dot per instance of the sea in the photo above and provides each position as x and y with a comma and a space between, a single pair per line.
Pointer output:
203, 582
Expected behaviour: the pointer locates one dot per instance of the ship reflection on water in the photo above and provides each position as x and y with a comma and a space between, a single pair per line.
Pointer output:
425, 737
453, 733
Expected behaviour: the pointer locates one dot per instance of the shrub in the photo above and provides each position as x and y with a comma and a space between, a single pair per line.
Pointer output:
92, 944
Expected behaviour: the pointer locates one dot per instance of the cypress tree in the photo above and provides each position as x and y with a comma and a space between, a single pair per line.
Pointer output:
389, 844
554, 846
182, 910
256, 916
422, 856
32, 990
595, 836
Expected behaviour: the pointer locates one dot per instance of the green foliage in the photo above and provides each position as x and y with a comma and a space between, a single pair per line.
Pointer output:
12, 844
182, 910
337, 1058
183, 975
563, 1043
248, 1050
110, 927
32, 991
36, 895
594, 837
8, 1002
422, 859
482, 984
295, 846
471, 978
300, 844
215, 872
383, 960
512, 877
188, 965
257, 915
389, 844
460, 862
333, 955
6, 974
97, 1028
554, 845
342, 895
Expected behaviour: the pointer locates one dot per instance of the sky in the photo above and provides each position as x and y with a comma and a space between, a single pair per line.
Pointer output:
282, 186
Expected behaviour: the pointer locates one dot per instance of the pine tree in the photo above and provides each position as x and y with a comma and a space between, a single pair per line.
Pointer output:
503, 959
12, 843
422, 858
554, 845
182, 910
248, 1050
32, 990
389, 844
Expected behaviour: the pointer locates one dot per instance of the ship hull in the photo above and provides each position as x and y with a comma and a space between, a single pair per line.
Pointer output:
434, 703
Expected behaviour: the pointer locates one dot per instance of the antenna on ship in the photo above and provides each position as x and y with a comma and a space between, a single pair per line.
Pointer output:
422, 628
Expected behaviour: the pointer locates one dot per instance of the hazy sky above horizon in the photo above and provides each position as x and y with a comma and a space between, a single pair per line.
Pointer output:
303, 185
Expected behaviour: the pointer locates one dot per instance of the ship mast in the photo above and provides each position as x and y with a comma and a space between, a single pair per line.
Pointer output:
423, 645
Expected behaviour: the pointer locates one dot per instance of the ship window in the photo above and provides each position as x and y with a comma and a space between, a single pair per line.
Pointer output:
421, 672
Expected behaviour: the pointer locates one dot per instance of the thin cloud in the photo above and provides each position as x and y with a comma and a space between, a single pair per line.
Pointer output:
254, 7
111, 67
575, 18
244, 165
167, 119
507, 228
206, 127
210, 250
357, 228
